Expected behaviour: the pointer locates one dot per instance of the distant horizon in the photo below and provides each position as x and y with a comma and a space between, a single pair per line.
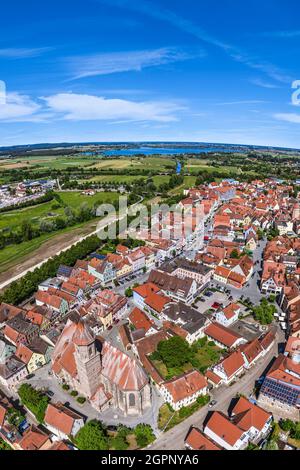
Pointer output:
150, 70
142, 142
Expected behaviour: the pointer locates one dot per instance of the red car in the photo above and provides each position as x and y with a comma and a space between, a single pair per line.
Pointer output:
216, 305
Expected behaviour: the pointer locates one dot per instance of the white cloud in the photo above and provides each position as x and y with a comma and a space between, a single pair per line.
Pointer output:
23, 53
116, 62
76, 107
18, 107
288, 117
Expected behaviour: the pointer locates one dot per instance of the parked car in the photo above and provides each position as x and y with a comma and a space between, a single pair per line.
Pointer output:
50, 393
212, 403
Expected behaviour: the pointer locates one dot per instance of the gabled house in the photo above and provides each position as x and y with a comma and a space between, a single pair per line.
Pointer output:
196, 440
225, 433
230, 368
223, 337
62, 421
252, 419
228, 315
184, 390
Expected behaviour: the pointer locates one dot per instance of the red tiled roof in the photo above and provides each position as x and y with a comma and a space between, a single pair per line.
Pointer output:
222, 334
224, 428
61, 418
247, 415
196, 440
186, 385
140, 320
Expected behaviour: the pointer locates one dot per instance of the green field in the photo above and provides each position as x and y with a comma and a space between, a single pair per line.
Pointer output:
47, 210
120, 179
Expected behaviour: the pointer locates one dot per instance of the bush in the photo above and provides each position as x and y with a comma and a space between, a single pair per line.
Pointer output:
286, 424
65, 387
81, 400
74, 393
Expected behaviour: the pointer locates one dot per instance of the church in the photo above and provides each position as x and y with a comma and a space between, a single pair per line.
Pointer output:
103, 374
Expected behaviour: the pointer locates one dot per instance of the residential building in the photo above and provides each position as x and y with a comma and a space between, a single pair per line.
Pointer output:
184, 390
62, 421
225, 433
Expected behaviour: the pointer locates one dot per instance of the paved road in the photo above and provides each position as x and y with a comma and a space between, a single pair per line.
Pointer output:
174, 439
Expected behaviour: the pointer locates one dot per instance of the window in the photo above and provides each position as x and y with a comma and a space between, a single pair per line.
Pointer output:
131, 399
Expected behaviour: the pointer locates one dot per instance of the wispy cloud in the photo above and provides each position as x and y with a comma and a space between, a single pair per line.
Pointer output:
18, 107
281, 34
117, 62
231, 103
288, 117
264, 84
164, 14
23, 52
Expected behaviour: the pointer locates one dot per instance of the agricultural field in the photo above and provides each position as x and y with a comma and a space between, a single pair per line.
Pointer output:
43, 162
158, 164
112, 179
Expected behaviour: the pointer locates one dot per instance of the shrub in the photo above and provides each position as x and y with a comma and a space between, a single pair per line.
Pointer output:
81, 400
65, 387
74, 393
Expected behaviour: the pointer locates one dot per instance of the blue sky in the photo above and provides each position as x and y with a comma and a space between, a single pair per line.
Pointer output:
132, 70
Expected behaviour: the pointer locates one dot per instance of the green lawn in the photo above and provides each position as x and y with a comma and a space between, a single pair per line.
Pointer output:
14, 219
169, 418
75, 199
15, 254
35, 214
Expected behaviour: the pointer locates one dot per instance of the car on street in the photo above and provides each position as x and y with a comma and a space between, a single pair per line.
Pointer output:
212, 403
49, 393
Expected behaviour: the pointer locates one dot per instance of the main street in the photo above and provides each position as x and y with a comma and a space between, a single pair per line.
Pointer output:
174, 438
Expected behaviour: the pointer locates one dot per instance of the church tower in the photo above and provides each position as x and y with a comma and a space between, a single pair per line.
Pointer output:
88, 360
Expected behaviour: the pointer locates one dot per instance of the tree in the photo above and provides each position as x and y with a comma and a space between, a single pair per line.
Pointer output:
128, 292
174, 352
264, 313
234, 254
34, 400
26, 231
144, 435
92, 436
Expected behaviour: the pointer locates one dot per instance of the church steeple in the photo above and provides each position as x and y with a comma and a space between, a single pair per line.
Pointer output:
87, 358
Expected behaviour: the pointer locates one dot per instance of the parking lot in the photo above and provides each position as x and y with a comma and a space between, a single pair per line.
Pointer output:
210, 298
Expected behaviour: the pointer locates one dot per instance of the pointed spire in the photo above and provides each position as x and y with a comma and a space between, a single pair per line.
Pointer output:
83, 336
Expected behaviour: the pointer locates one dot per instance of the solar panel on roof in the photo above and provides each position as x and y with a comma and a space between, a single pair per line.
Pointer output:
97, 256
280, 391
